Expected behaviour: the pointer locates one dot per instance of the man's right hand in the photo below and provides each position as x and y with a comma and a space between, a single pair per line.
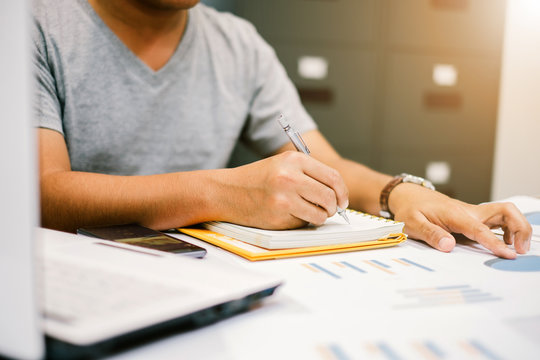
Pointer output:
284, 191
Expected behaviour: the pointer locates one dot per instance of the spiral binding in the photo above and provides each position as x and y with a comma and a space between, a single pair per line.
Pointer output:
378, 218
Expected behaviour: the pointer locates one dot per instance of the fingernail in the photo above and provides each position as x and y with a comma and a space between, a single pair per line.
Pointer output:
446, 244
346, 204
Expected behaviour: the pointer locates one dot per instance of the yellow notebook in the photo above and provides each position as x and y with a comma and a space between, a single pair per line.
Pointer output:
255, 253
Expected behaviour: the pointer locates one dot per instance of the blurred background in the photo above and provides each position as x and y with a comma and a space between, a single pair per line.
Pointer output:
399, 85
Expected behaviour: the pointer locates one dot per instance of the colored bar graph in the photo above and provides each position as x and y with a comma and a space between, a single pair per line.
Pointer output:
345, 263
426, 353
445, 295
319, 267
387, 351
380, 264
416, 264
338, 352
307, 266
426, 349
434, 349
401, 262
451, 287
377, 266
485, 299
483, 350
338, 269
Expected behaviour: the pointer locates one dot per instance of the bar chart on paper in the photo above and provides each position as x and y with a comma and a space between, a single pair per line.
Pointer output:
443, 295
427, 349
339, 269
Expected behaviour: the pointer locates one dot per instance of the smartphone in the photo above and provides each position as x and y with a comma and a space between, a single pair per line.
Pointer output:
138, 235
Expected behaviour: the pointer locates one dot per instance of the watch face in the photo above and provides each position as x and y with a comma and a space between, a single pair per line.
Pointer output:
417, 180
412, 179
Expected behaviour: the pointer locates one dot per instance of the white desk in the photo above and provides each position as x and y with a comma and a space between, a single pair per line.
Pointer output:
423, 305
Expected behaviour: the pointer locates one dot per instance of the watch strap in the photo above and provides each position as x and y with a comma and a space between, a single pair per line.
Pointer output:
398, 179
385, 194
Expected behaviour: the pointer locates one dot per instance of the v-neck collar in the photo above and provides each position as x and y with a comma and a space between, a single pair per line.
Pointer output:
132, 61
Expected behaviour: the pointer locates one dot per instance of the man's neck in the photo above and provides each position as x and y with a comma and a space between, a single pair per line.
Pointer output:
151, 33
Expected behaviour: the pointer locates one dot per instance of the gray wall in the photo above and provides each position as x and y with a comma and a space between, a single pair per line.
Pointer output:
517, 159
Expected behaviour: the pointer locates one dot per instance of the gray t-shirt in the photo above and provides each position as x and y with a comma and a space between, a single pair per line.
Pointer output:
223, 84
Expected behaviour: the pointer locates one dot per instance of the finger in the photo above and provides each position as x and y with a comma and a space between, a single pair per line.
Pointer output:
474, 229
508, 237
437, 237
284, 222
291, 211
517, 229
307, 211
319, 194
329, 177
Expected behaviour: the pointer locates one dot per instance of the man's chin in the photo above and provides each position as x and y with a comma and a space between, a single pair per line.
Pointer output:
169, 4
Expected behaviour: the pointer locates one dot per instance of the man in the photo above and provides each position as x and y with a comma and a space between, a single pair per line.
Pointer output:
140, 103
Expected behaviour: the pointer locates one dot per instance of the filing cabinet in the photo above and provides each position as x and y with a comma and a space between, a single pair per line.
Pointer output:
344, 115
421, 114
379, 103
315, 21
459, 25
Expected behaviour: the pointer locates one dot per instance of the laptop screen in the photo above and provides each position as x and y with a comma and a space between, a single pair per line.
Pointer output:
20, 334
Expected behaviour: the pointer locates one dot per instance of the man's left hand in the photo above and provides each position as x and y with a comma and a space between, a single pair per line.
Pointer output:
432, 217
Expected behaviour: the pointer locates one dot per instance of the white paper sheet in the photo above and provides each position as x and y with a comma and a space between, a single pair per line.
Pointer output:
407, 301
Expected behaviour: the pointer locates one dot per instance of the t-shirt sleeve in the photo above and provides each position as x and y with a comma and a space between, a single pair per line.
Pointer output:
47, 106
273, 94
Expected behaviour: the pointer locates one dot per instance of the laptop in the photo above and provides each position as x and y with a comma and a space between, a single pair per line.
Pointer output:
99, 297
65, 295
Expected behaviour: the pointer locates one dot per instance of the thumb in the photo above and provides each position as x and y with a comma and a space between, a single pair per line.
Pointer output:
434, 235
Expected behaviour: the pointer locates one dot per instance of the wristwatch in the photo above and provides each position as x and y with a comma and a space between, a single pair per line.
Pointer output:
398, 179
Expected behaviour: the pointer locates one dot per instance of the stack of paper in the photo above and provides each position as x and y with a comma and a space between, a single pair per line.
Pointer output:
364, 232
335, 230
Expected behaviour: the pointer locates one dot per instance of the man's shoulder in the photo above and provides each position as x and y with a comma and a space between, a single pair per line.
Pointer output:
62, 21
50, 10
222, 19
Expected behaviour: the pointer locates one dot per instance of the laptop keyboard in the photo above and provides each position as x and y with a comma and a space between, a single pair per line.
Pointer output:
73, 293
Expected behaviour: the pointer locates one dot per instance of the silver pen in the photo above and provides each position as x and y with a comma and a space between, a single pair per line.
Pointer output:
300, 145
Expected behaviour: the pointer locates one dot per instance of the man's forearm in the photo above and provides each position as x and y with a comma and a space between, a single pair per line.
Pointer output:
72, 199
